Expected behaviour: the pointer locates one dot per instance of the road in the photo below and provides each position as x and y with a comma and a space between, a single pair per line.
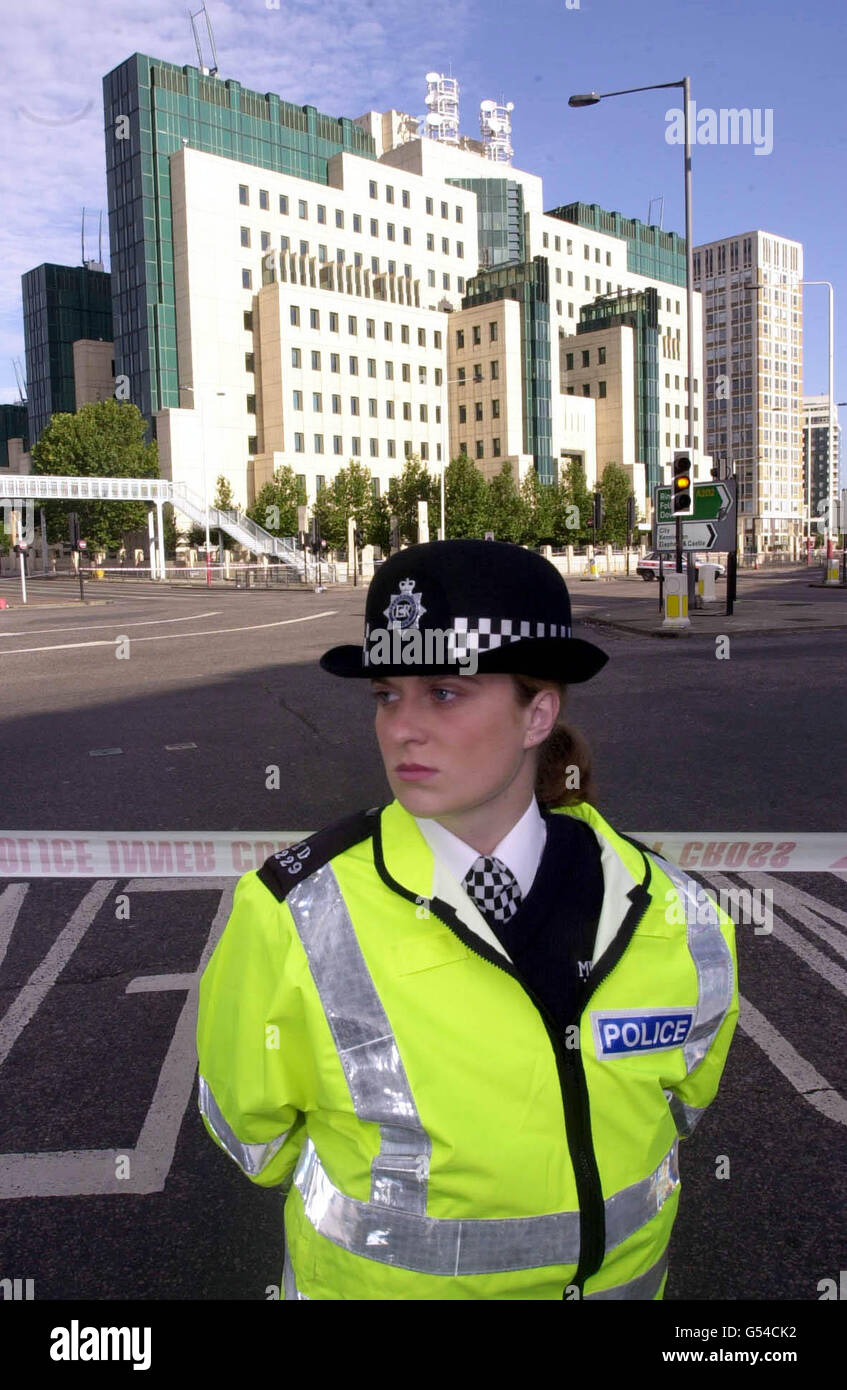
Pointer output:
169, 711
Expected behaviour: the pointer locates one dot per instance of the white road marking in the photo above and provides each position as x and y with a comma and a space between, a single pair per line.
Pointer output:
152, 984
103, 752
42, 979
173, 747
828, 969
801, 904
803, 1077
169, 636
11, 900
91, 1172
93, 627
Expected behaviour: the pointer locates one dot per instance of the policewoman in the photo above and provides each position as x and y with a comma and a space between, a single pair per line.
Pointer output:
465, 1030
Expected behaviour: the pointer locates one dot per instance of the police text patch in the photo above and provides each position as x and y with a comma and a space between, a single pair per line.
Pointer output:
639, 1030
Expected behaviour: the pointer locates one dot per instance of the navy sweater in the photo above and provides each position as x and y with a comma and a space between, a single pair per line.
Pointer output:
550, 938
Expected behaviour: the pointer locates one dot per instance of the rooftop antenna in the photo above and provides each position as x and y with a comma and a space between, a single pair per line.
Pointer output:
661, 200
207, 71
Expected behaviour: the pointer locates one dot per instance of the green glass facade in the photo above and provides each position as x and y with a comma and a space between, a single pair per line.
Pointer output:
151, 109
638, 309
649, 251
528, 283
61, 303
13, 425
500, 219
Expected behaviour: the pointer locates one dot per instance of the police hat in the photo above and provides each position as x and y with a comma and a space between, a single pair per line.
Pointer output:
431, 608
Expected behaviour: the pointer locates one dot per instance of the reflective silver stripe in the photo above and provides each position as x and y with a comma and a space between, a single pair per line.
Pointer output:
289, 1283
685, 1116
251, 1158
712, 960
634, 1206
644, 1286
487, 1245
367, 1049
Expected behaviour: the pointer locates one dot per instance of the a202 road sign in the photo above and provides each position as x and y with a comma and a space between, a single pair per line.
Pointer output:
711, 526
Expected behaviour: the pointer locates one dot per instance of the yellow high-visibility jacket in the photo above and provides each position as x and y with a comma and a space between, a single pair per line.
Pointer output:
364, 1038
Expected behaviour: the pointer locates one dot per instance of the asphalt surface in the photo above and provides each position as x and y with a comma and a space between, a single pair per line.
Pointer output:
96, 1011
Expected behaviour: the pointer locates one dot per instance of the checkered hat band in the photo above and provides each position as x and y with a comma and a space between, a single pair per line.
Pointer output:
483, 634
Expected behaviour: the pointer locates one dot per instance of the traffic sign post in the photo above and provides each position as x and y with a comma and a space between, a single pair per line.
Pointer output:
710, 526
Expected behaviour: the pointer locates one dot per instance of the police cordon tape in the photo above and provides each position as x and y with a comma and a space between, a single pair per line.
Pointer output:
228, 854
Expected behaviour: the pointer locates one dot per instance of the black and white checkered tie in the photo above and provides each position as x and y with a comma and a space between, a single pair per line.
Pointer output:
494, 889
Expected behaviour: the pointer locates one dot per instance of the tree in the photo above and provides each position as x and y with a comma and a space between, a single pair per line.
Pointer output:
104, 439
415, 484
541, 507
350, 494
615, 488
466, 499
275, 508
575, 504
507, 512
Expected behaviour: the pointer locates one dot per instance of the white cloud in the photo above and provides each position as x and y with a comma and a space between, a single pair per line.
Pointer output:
343, 59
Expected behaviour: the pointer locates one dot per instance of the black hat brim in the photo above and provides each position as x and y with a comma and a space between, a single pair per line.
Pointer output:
570, 660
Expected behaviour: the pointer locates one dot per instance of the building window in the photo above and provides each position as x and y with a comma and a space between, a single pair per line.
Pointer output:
374, 448
334, 362
392, 267
243, 195
430, 279
558, 276
389, 410
374, 227
463, 414
317, 401
336, 444
407, 236
387, 332
249, 362
477, 410
371, 366
570, 391
320, 482
495, 371
265, 239
319, 443
422, 376
303, 207
299, 446
357, 445
430, 242
586, 390
495, 409
460, 376
295, 357
354, 405
321, 212
407, 447
463, 449
370, 328
493, 332
445, 281
304, 248
445, 211
264, 202
372, 186
321, 252
248, 320
460, 284
247, 279
588, 282
424, 413
252, 444
314, 318
389, 371
428, 205
586, 252
333, 323
460, 338
392, 453
546, 239
357, 222
445, 246
404, 333
245, 236
570, 277
436, 338
374, 265
339, 256
405, 197
422, 337
586, 357
372, 406
477, 335
283, 243
480, 451
601, 389
336, 405
389, 230
407, 411
495, 449
407, 270
601, 356
298, 400
316, 361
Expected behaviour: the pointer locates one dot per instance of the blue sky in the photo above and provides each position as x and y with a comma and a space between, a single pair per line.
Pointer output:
764, 55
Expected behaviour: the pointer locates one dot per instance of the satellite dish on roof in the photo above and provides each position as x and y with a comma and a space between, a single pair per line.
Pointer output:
488, 106
433, 118
510, 106
433, 77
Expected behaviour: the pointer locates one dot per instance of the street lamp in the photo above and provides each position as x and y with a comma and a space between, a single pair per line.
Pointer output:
591, 99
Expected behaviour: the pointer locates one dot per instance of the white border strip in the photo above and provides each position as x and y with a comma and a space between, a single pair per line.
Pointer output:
228, 854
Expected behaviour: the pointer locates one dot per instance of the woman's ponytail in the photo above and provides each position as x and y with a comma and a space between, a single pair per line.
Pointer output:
564, 776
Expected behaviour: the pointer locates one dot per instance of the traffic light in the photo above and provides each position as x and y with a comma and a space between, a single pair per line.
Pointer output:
73, 530
630, 513
598, 511
315, 535
394, 524
682, 501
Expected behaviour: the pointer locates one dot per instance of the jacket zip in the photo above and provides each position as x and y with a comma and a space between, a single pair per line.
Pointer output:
569, 1066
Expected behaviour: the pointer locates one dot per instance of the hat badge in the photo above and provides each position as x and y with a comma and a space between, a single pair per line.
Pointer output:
405, 609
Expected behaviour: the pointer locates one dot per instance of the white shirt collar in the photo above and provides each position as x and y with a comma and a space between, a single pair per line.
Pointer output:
520, 850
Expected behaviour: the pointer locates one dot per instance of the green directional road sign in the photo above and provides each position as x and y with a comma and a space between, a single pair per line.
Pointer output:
713, 502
